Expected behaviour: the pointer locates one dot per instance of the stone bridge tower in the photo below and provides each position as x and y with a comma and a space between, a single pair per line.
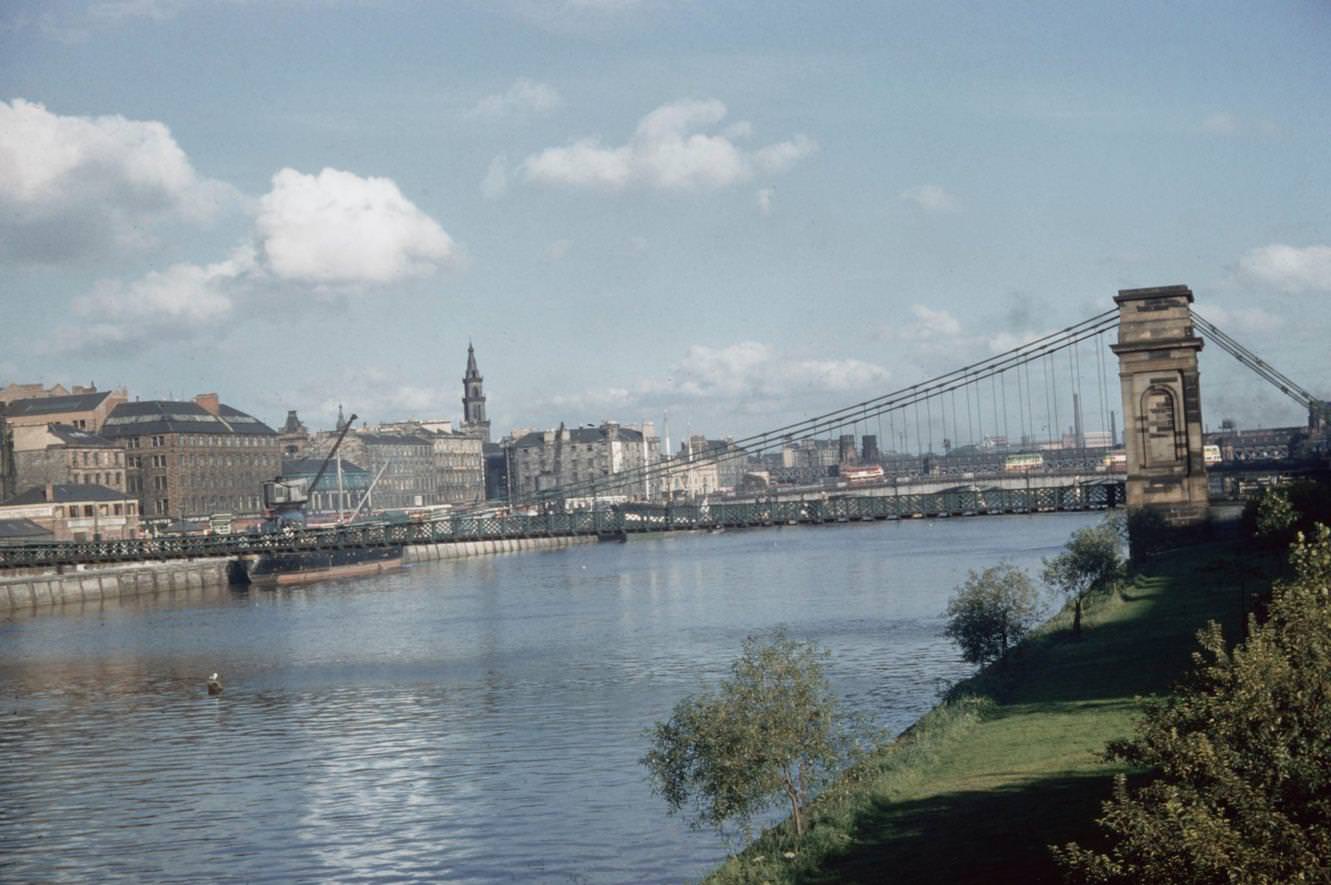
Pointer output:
1157, 368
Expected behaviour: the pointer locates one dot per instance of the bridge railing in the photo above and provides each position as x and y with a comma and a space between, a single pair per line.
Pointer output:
621, 521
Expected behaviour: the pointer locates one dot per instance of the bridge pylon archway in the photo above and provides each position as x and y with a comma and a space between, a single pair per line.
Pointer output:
1157, 369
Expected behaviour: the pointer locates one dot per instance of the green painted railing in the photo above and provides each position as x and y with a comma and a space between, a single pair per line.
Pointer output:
614, 522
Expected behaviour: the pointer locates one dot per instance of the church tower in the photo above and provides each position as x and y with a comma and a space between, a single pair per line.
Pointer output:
474, 421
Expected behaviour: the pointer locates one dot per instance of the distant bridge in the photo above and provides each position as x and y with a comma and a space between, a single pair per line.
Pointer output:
614, 523
981, 406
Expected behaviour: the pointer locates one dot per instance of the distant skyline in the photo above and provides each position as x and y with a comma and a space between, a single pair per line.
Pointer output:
739, 213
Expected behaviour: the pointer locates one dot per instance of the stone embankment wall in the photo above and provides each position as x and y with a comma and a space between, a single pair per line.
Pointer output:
457, 550
29, 588
95, 584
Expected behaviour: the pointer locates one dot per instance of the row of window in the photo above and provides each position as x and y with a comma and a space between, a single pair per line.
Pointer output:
203, 440
74, 511
102, 458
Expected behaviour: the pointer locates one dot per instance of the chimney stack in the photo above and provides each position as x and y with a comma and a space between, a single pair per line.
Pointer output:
50, 492
208, 402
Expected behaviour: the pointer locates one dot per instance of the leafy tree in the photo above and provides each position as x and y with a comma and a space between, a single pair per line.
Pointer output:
770, 731
1241, 752
1271, 517
1089, 564
991, 612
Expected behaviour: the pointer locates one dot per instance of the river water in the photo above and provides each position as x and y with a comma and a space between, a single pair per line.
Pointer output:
477, 720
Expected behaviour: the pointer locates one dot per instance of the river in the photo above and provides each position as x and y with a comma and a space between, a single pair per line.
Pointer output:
473, 720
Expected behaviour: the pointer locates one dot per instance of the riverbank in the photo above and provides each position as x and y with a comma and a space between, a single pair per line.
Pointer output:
1013, 762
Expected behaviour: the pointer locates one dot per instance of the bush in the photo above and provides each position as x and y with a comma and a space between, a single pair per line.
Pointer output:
771, 731
1089, 564
1241, 755
992, 611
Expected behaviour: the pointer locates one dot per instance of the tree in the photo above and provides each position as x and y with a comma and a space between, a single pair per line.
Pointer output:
1089, 563
991, 612
1241, 755
771, 730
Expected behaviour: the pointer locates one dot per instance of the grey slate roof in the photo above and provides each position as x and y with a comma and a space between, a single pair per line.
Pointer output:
52, 405
73, 436
68, 493
393, 439
168, 416
293, 467
25, 529
578, 435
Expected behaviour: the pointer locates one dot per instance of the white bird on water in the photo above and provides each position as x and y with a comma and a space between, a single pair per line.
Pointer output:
214, 684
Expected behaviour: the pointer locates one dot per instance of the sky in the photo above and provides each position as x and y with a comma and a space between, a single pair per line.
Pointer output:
728, 215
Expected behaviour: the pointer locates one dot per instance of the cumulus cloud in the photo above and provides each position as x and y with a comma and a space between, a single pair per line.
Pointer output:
495, 183
524, 98
745, 376
180, 302
931, 198
1243, 319
558, 250
1290, 269
73, 186
1229, 125
765, 201
337, 228
669, 150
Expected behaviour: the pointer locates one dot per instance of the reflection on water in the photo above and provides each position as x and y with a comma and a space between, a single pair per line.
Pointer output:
475, 720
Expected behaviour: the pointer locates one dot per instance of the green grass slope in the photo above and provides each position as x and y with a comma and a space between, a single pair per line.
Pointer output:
1014, 761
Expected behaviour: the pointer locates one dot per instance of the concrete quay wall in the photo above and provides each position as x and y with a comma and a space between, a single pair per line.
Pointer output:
109, 583
460, 549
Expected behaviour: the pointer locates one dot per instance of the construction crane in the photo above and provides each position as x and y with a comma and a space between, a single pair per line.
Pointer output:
286, 498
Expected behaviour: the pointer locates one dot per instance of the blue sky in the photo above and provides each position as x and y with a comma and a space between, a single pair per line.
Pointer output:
733, 212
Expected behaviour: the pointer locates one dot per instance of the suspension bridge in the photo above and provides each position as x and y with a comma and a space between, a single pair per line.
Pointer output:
1047, 396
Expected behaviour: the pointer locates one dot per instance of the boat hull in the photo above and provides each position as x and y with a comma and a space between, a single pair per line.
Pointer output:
308, 566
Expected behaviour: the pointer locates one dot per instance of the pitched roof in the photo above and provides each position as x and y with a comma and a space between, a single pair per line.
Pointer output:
54, 405
578, 435
392, 439
73, 436
66, 493
293, 467
26, 529
170, 416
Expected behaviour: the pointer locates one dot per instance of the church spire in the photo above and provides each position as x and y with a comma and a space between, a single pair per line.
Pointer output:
473, 399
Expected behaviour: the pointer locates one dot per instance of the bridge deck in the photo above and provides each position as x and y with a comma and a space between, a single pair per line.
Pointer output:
621, 521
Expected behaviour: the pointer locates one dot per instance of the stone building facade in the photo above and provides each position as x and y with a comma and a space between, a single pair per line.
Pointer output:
76, 512
64, 455
542, 461
194, 458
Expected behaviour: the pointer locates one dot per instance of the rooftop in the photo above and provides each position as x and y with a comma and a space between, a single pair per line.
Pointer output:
66, 493
170, 416
54, 405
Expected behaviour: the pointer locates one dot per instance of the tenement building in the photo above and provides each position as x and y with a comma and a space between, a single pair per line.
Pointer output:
76, 512
62, 454
194, 458
569, 459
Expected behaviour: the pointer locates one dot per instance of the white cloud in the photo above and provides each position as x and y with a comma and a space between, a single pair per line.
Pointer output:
765, 201
745, 376
495, 183
668, 151
340, 229
524, 98
74, 186
182, 301
1243, 319
931, 198
1289, 268
557, 250
1228, 124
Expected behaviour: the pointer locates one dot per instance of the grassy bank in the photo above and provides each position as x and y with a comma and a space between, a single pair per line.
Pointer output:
1012, 762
